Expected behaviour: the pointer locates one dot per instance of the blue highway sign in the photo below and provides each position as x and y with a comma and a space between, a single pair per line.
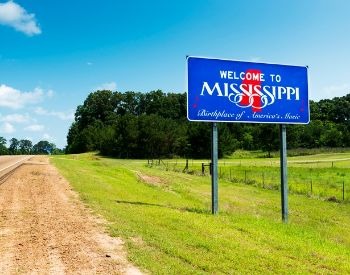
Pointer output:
235, 91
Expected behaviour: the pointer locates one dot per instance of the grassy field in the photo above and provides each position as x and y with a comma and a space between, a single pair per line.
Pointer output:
164, 218
323, 175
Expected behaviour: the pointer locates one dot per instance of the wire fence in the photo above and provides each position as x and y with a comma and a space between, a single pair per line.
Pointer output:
325, 181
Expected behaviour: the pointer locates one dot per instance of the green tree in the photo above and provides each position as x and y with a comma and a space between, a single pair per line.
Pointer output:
25, 146
97, 106
310, 134
43, 147
199, 139
154, 124
3, 149
247, 141
227, 142
14, 145
267, 137
331, 136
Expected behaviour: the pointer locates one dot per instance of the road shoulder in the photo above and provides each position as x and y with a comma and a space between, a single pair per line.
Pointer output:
45, 228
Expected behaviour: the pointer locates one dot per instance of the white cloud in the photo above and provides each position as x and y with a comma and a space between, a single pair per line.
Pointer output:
336, 91
34, 128
50, 93
13, 15
89, 63
16, 99
15, 118
7, 128
110, 86
60, 115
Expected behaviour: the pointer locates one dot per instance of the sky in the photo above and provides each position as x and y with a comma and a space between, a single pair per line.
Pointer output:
54, 53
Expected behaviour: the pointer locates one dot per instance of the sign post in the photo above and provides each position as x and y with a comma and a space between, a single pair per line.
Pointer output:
284, 177
214, 175
221, 90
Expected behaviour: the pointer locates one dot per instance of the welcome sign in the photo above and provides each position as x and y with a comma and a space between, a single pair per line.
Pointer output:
236, 91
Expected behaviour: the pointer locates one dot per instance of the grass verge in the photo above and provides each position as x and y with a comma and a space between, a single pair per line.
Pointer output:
165, 221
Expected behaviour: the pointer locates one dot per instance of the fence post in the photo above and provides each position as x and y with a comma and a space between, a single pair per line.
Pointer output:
186, 167
263, 177
311, 186
343, 190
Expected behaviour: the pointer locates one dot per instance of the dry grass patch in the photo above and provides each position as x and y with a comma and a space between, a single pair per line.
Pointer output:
151, 180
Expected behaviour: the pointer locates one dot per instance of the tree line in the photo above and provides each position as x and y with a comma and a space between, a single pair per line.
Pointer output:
154, 124
26, 147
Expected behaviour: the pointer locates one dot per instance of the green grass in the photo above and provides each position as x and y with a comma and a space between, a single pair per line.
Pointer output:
320, 175
239, 154
168, 228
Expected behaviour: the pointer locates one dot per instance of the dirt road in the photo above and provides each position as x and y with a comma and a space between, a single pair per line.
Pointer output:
45, 229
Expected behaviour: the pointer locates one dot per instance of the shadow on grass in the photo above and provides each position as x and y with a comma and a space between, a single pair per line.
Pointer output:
185, 209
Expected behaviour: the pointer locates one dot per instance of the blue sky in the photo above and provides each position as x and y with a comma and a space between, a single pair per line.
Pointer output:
54, 53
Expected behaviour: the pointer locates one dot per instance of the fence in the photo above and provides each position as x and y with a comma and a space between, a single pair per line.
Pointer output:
325, 181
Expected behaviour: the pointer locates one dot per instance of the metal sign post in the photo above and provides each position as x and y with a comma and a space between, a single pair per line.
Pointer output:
214, 174
284, 177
